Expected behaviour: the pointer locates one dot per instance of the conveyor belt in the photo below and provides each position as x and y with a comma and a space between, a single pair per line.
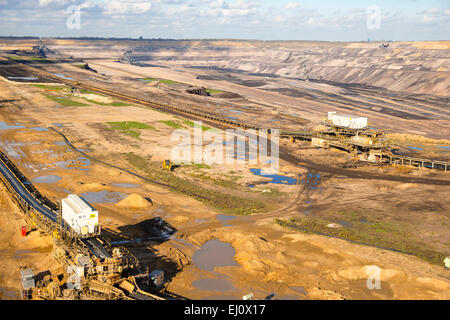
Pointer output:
92, 244
20, 189
96, 248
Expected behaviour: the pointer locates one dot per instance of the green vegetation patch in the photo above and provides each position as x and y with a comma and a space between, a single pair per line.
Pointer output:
28, 58
15, 58
198, 166
229, 184
180, 124
124, 125
172, 124
81, 66
66, 102
385, 235
130, 128
227, 203
165, 81
38, 59
119, 104
113, 104
54, 88
192, 125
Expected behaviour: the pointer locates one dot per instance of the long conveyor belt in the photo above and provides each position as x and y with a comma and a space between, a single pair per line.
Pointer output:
23, 192
92, 244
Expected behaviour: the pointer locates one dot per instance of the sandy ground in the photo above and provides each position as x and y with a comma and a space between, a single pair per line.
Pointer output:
267, 259
33, 251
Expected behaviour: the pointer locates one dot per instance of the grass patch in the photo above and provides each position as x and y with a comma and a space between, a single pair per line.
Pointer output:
180, 124
192, 125
15, 58
28, 58
199, 166
112, 104
81, 66
125, 125
229, 184
375, 233
84, 91
165, 81
66, 102
38, 59
228, 204
130, 128
172, 124
54, 88
119, 104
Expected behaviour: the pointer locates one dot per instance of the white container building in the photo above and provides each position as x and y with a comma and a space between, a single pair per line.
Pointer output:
80, 216
347, 121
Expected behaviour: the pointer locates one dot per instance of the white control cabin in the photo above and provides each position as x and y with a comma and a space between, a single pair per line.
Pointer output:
347, 121
80, 216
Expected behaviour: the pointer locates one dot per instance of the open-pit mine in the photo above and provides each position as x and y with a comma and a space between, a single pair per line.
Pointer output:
95, 203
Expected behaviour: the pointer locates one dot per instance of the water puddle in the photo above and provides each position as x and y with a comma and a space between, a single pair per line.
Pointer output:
215, 285
444, 147
300, 290
182, 241
12, 149
276, 178
224, 218
125, 185
60, 143
236, 111
8, 294
73, 164
103, 196
39, 129
364, 220
23, 78
47, 179
49, 152
415, 148
5, 126
62, 76
345, 224
214, 253
311, 180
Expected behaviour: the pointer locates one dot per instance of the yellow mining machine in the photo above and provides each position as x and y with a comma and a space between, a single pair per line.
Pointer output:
167, 165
